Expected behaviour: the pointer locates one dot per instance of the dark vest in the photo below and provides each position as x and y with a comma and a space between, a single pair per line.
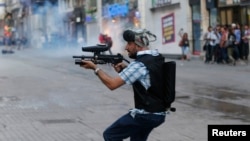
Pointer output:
150, 100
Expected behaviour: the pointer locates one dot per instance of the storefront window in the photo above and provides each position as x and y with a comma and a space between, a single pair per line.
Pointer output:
228, 2
229, 16
213, 17
222, 3
223, 17
196, 22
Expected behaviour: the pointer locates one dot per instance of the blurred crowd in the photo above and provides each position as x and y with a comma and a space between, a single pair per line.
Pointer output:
227, 44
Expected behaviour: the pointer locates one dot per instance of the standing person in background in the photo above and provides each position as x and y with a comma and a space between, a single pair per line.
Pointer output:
185, 47
240, 30
245, 44
8, 34
237, 33
231, 45
217, 49
223, 46
209, 38
8, 40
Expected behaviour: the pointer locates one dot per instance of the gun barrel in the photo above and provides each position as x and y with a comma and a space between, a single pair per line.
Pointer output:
78, 62
82, 57
77, 56
101, 59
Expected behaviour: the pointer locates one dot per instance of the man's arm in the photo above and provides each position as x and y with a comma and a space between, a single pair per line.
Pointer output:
205, 36
111, 82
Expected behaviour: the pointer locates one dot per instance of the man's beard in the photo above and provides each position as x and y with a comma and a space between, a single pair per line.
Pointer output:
132, 56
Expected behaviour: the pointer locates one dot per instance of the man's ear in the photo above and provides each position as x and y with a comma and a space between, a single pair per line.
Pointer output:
137, 47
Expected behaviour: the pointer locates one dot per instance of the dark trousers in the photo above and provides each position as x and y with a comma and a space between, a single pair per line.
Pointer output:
224, 56
137, 128
217, 53
245, 50
236, 52
209, 53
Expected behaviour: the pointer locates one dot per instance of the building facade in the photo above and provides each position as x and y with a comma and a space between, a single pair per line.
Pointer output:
165, 18
81, 21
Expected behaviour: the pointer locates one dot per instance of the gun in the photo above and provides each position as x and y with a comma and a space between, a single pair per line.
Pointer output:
99, 58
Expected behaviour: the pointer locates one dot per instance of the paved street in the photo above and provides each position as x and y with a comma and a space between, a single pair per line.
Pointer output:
44, 96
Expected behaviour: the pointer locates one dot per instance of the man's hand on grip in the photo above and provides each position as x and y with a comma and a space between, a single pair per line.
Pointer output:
119, 67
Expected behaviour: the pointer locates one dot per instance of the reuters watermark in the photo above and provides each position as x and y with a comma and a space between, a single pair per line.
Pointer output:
238, 132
